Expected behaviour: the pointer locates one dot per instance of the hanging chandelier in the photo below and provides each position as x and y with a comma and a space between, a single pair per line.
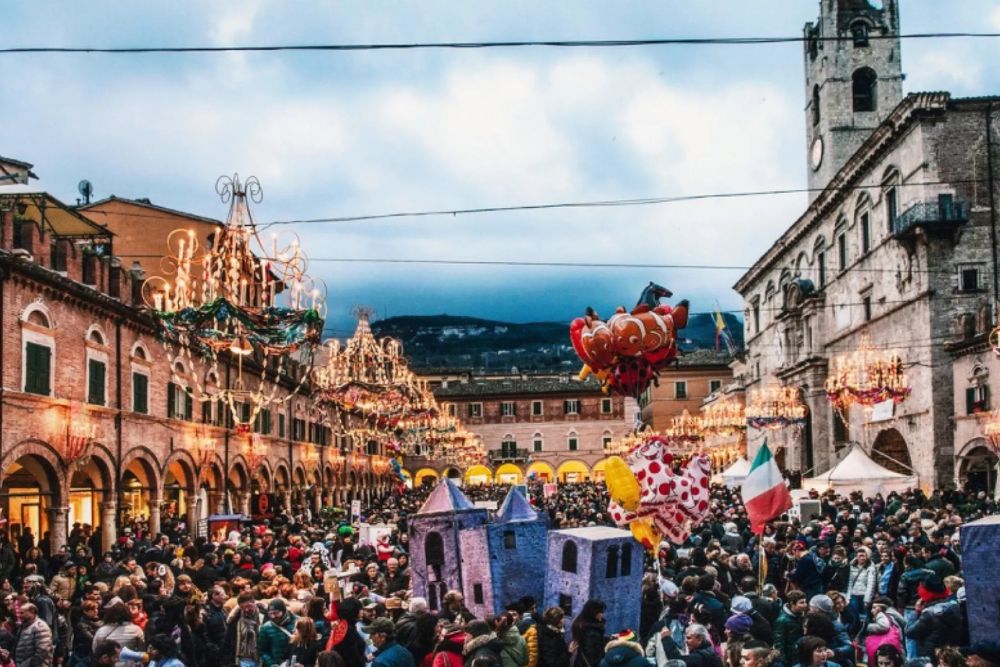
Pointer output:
624, 445
991, 428
255, 451
725, 417
867, 377
775, 407
77, 433
685, 429
203, 452
241, 297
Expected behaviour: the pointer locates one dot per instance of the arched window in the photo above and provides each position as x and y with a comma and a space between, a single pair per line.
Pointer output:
38, 318
815, 105
611, 571
859, 32
95, 337
890, 195
819, 259
626, 568
434, 549
569, 556
865, 89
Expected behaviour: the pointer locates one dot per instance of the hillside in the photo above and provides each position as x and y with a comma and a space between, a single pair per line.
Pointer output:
450, 341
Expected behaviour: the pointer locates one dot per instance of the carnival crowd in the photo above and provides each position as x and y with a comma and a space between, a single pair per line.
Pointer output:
870, 581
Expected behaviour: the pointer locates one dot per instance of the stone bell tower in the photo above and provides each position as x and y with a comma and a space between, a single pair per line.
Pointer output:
854, 79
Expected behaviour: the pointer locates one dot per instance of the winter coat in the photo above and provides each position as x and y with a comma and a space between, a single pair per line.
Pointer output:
34, 645
83, 636
215, 635
416, 633
127, 635
448, 652
807, 575
486, 646
705, 656
620, 653
863, 582
939, 624
515, 651
393, 655
552, 649
909, 582
787, 633
590, 645
274, 641
529, 631
836, 575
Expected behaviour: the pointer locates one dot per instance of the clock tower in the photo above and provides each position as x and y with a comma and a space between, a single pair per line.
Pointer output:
854, 79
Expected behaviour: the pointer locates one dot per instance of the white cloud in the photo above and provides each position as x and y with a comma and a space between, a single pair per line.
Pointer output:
957, 69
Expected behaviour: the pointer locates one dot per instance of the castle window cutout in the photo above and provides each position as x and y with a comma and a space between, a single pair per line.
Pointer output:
865, 88
477, 593
859, 32
566, 602
626, 560
611, 571
569, 557
434, 549
509, 539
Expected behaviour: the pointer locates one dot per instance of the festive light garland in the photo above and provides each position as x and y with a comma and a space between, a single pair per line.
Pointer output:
867, 377
775, 407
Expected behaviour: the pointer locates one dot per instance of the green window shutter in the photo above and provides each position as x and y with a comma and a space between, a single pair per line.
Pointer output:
986, 397
95, 390
188, 403
267, 422
140, 393
245, 416
171, 400
281, 425
970, 400
38, 364
206, 412
220, 414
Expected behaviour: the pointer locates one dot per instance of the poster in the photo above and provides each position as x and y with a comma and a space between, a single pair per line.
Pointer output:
370, 533
355, 510
549, 490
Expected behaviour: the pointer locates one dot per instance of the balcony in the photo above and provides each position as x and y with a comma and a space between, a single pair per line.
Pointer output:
505, 455
944, 214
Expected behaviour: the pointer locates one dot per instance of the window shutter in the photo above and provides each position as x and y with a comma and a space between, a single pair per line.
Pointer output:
986, 397
970, 400
95, 389
140, 393
206, 412
281, 426
171, 400
188, 404
220, 413
43, 375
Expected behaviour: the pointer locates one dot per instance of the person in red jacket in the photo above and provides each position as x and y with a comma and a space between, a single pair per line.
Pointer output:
448, 652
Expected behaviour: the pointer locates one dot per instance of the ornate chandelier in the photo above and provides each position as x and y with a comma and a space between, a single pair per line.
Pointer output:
775, 407
685, 429
238, 296
867, 377
77, 433
203, 452
255, 452
725, 417
624, 445
991, 428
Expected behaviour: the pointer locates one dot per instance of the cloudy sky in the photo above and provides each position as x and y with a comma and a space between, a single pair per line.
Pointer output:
375, 132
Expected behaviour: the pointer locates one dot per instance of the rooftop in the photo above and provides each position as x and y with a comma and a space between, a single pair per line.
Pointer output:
596, 533
145, 203
519, 386
516, 508
446, 497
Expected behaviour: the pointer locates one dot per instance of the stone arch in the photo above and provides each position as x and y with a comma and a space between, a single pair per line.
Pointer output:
38, 307
44, 463
95, 335
864, 89
142, 458
977, 466
329, 476
573, 470
32, 491
239, 477
264, 476
299, 474
282, 478
891, 451
179, 464
140, 351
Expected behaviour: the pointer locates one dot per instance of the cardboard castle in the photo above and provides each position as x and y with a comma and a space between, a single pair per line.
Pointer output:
455, 546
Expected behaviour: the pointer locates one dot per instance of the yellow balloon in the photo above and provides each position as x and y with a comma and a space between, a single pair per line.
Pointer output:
623, 487
642, 531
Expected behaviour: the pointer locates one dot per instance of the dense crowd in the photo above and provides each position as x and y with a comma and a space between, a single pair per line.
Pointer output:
875, 581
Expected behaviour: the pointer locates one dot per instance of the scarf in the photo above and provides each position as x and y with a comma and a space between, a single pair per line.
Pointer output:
246, 637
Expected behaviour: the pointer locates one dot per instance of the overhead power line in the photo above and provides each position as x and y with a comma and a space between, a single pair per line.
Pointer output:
407, 46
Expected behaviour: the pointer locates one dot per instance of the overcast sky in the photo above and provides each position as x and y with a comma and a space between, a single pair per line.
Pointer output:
355, 133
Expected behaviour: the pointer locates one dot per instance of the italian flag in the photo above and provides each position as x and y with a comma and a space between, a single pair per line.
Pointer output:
764, 492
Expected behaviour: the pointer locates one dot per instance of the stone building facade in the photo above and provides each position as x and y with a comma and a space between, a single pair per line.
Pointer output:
100, 423
894, 247
684, 386
552, 427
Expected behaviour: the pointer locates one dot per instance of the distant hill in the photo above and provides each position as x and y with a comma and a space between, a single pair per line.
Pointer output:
454, 341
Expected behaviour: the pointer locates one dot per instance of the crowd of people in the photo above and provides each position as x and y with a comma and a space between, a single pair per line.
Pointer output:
874, 581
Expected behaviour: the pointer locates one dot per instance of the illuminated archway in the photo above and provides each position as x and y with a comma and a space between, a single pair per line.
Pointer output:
477, 475
509, 473
573, 471
541, 471
425, 477
597, 472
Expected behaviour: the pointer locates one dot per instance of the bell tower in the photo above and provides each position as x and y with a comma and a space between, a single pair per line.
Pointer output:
854, 79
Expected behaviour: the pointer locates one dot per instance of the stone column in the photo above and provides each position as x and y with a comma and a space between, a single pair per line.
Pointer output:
154, 516
192, 500
317, 500
109, 524
215, 502
58, 528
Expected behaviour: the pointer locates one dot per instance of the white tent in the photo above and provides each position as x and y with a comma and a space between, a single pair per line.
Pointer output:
858, 472
734, 475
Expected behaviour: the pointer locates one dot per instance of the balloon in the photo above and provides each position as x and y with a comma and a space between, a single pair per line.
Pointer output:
642, 531
621, 482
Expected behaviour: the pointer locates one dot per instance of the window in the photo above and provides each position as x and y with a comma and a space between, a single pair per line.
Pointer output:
475, 410
864, 86
714, 386
681, 389
611, 568
821, 264
866, 306
815, 105
977, 399
571, 406
756, 315
536, 444
573, 444
568, 556
477, 593
859, 32
508, 409
566, 603
281, 425
841, 431
37, 369
372, 447
262, 422
434, 549
842, 250
536, 408
508, 447
605, 406
626, 560
22, 234
891, 206
968, 279
140, 393
89, 268
866, 232
509, 539
606, 441
452, 410
58, 250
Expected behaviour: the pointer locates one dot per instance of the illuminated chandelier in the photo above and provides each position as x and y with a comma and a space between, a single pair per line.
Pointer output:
238, 296
685, 429
724, 417
203, 452
77, 434
624, 445
867, 377
255, 452
775, 407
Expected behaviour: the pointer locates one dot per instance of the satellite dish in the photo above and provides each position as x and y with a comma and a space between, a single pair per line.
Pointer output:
86, 190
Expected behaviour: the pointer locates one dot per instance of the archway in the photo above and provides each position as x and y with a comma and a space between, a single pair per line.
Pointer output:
90, 486
179, 482
425, 477
540, 470
139, 487
478, 475
597, 472
454, 474
977, 469
31, 487
509, 473
573, 471
890, 451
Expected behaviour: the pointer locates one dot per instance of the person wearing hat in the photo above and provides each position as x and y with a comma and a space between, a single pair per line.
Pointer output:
448, 651
388, 653
808, 572
481, 643
624, 650
273, 642
939, 619
416, 629
760, 628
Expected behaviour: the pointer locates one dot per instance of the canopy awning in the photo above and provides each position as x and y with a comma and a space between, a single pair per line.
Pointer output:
858, 472
49, 213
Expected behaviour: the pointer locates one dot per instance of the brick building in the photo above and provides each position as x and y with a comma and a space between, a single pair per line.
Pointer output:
895, 245
98, 422
684, 386
553, 427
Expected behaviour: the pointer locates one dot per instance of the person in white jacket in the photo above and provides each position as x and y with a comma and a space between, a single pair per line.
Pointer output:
863, 583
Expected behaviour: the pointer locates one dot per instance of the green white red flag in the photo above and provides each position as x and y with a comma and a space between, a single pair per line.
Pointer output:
764, 492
